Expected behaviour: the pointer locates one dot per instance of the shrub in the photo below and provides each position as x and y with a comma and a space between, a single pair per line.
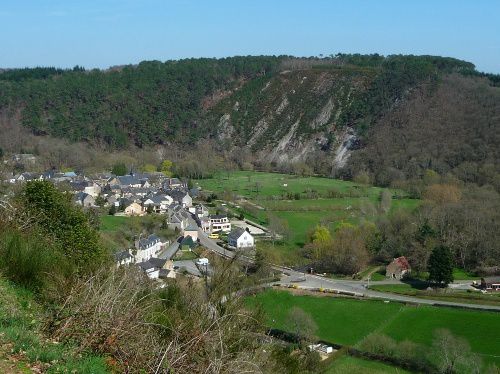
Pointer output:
67, 226
29, 260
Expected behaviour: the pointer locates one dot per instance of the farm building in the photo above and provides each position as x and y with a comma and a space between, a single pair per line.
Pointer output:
490, 284
398, 268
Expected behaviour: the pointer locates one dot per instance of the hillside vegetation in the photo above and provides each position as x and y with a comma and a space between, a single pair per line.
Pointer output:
390, 117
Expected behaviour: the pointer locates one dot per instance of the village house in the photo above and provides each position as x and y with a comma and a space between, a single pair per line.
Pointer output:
128, 181
147, 248
84, 199
220, 222
89, 187
191, 231
490, 284
49, 174
204, 223
240, 239
180, 197
152, 267
123, 257
398, 268
174, 184
159, 203
92, 189
201, 211
25, 177
112, 200
134, 209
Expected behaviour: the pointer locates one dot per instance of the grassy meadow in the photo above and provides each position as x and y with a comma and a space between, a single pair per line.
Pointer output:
303, 202
347, 321
355, 365
119, 232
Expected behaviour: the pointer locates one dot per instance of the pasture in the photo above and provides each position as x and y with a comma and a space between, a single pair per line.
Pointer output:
113, 223
259, 185
348, 321
355, 365
302, 202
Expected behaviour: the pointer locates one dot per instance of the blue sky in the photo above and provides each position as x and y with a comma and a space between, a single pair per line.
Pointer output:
102, 33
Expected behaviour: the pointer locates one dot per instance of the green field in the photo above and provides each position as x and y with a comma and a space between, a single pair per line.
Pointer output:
319, 200
348, 321
113, 223
258, 185
354, 365
118, 232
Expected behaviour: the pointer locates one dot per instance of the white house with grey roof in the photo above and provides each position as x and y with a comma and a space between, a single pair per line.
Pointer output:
201, 211
240, 239
159, 203
123, 257
180, 197
220, 222
152, 267
147, 248
84, 199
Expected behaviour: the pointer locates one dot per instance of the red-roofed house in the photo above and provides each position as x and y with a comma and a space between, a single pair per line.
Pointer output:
398, 268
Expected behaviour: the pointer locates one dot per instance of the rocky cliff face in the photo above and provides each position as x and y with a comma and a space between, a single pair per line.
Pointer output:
293, 115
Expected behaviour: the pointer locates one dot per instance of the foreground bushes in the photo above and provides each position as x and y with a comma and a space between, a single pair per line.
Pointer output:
21, 321
30, 261
184, 328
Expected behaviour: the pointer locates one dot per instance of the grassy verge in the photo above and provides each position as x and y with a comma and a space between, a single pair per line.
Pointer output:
21, 338
459, 296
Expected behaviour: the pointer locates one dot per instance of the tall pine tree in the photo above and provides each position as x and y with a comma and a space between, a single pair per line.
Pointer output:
440, 266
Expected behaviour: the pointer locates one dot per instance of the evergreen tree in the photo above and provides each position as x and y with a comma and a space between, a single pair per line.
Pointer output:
440, 266
119, 169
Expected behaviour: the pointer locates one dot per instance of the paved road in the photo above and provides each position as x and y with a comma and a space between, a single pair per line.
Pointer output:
358, 287
314, 281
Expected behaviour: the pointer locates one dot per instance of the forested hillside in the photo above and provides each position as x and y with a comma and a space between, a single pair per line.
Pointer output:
145, 104
385, 118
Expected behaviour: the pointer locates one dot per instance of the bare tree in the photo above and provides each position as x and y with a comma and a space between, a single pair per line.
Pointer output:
453, 354
302, 325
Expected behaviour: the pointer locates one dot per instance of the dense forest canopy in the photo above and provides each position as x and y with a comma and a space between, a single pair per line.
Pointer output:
155, 102
144, 104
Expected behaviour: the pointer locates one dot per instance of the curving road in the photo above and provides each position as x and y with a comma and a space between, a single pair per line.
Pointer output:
309, 281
